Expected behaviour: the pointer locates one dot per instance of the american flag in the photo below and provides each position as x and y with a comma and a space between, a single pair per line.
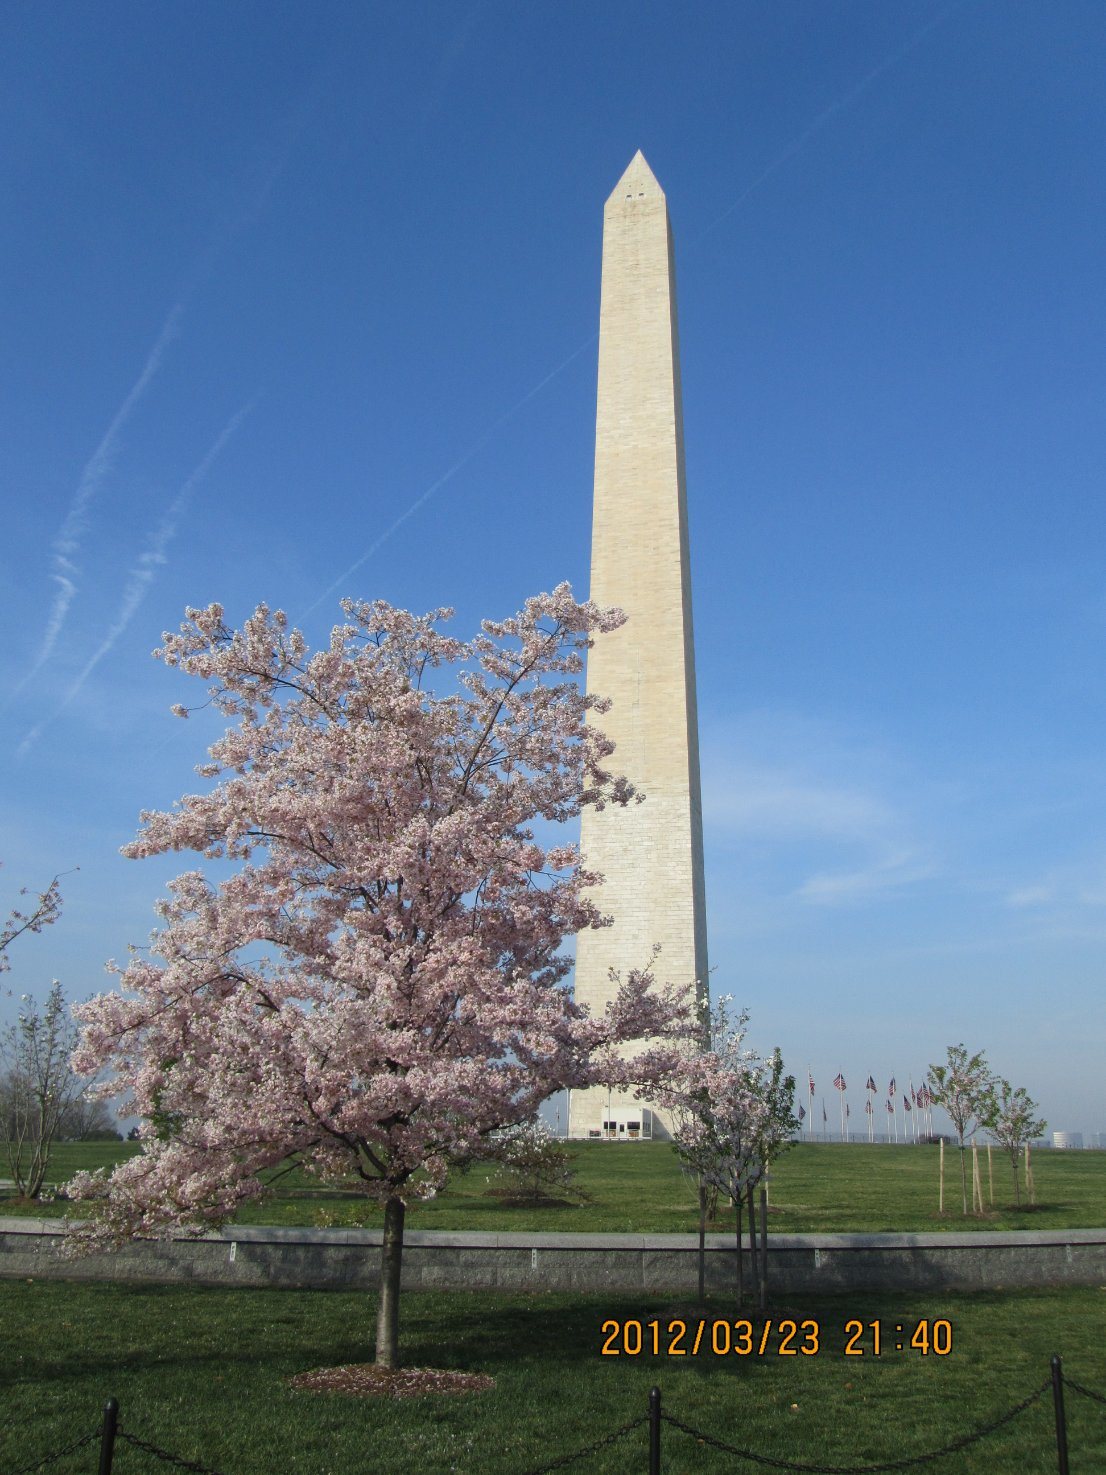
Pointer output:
906, 1103
891, 1087
871, 1086
868, 1107
839, 1081
890, 1106
802, 1113
810, 1082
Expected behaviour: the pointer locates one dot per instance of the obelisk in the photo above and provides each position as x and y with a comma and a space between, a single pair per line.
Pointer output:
650, 854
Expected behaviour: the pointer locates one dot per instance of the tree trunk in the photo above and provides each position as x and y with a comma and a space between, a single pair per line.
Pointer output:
28, 1176
963, 1178
40, 1161
737, 1242
753, 1257
702, 1239
391, 1262
764, 1249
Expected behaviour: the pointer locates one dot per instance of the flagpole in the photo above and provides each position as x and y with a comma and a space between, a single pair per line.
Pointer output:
810, 1100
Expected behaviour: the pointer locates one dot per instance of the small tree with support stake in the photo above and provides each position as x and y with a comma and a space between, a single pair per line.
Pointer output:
1012, 1121
963, 1087
732, 1112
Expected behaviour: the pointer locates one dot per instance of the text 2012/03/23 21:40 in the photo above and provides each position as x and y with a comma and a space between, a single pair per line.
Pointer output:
783, 1338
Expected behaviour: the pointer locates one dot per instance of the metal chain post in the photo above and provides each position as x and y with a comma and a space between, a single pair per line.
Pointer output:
654, 1431
107, 1435
1058, 1410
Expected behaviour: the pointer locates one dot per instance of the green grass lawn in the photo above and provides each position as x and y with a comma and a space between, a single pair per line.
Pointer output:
638, 1187
202, 1373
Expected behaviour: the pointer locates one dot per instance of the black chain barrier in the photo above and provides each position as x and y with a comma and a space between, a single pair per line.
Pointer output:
110, 1431
59, 1454
1086, 1392
165, 1456
905, 1464
589, 1449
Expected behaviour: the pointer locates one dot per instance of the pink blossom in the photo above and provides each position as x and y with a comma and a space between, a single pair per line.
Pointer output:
380, 985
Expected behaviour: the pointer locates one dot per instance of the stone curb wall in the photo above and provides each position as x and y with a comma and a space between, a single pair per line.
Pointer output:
348, 1259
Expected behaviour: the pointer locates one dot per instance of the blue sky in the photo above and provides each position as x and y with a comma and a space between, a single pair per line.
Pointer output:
302, 303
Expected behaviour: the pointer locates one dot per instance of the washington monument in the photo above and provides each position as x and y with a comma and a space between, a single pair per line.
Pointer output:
650, 854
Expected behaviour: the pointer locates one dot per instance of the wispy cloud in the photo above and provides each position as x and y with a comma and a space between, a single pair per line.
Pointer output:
143, 572
884, 873
1031, 896
764, 802
67, 542
1066, 886
837, 813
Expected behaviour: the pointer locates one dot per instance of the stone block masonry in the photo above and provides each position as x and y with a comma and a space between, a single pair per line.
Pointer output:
349, 1259
650, 855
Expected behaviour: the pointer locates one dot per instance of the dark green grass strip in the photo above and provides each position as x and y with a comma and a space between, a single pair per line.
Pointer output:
202, 1373
638, 1187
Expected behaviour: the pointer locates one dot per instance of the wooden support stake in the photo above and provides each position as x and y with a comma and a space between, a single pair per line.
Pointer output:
941, 1180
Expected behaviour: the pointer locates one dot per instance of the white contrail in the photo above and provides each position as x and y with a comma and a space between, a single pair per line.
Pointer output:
143, 573
436, 486
67, 542
801, 139
781, 158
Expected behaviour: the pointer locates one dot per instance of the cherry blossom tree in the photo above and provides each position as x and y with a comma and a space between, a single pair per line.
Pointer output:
963, 1086
380, 985
1012, 1121
45, 910
38, 1089
733, 1113
534, 1161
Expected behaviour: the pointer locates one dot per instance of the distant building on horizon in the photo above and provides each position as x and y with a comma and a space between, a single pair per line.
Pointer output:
1067, 1139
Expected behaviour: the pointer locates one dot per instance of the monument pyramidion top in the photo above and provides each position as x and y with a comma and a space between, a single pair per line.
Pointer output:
637, 183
